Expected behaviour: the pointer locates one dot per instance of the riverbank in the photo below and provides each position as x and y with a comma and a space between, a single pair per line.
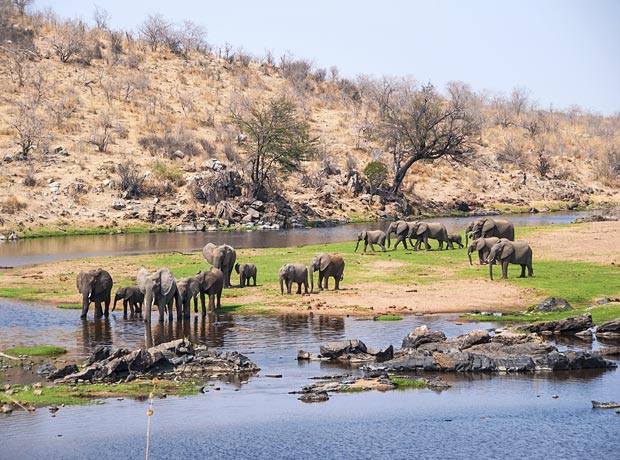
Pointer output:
578, 262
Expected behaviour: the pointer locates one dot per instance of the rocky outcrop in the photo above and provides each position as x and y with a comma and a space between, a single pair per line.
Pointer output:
176, 359
610, 329
553, 304
350, 351
563, 326
422, 335
479, 351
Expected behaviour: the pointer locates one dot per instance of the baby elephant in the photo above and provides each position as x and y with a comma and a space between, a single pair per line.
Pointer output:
131, 296
293, 273
456, 238
246, 271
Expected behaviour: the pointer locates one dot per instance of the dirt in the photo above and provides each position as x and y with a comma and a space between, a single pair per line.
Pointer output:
592, 242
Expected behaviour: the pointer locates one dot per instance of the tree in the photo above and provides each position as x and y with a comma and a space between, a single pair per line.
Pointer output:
155, 31
377, 174
278, 139
420, 124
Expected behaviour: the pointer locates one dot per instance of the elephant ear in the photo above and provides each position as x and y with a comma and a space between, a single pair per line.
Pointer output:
507, 250
324, 261
480, 244
402, 227
489, 225
363, 234
423, 227
207, 252
141, 280
166, 279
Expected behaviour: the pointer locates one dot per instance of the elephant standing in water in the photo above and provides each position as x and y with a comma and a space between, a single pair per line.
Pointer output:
327, 265
189, 288
422, 231
132, 297
511, 252
483, 246
222, 257
371, 237
212, 284
485, 227
160, 288
293, 273
246, 272
95, 286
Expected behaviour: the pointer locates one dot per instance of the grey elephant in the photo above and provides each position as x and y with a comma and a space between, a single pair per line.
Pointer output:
189, 288
328, 265
211, 284
485, 227
95, 286
422, 231
246, 273
132, 297
511, 252
222, 257
483, 246
160, 288
293, 273
371, 237
456, 238
400, 228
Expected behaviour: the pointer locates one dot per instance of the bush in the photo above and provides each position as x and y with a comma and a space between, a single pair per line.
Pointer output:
165, 145
171, 173
131, 179
12, 205
377, 174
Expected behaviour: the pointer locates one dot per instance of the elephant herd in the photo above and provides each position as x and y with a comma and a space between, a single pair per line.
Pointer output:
169, 295
493, 239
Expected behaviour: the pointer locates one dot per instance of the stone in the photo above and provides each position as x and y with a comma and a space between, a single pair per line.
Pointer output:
119, 204
190, 227
564, 326
553, 304
422, 335
214, 164
609, 329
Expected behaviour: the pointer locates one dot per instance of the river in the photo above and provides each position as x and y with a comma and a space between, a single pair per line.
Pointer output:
480, 417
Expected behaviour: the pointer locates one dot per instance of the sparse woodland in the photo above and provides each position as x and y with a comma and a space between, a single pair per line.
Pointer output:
107, 128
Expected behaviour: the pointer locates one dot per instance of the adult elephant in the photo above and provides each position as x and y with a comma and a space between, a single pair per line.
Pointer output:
189, 288
246, 273
95, 286
132, 297
400, 228
211, 283
328, 265
222, 257
486, 227
422, 231
371, 237
160, 288
293, 273
511, 252
483, 246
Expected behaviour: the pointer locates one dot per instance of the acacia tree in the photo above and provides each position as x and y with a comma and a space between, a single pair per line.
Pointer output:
420, 124
277, 139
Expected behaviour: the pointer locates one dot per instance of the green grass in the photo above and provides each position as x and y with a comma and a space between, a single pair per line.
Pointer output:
70, 306
75, 231
40, 350
600, 314
404, 383
85, 394
22, 293
353, 390
388, 318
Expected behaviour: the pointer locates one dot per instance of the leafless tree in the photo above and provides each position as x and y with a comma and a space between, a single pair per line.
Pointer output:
155, 31
519, 100
192, 37
22, 5
104, 132
69, 41
29, 127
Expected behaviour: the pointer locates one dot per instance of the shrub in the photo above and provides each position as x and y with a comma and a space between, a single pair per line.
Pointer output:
131, 179
165, 145
12, 205
171, 173
377, 174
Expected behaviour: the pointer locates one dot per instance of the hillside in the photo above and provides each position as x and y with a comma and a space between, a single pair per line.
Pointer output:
163, 113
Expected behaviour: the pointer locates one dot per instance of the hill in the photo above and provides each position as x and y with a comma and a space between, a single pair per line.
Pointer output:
112, 130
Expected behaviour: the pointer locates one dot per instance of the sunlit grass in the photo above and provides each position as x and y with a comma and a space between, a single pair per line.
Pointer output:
39, 350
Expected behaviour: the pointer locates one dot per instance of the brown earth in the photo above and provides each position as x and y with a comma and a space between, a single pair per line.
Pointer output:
591, 242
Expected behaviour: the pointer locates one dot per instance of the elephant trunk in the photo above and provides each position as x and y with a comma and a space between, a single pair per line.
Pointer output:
312, 279
85, 302
281, 285
491, 269
469, 251
116, 297
388, 238
357, 245
148, 301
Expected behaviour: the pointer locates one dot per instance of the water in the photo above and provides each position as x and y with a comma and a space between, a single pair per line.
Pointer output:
481, 416
38, 250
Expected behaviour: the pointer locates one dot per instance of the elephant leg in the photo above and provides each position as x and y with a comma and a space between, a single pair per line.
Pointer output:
254, 279
505, 270
337, 282
106, 312
98, 310
125, 302
522, 271
427, 246
299, 287
219, 299
325, 279
530, 270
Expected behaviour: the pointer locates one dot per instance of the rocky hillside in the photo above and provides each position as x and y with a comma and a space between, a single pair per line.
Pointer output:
114, 130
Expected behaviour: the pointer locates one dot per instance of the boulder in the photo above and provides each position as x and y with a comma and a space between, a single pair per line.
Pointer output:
563, 326
610, 329
190, 227
119, 204
422, 335
553, 304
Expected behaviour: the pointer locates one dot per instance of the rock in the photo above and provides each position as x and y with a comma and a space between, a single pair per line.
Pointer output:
119, 204
609, 329
179, 154
214, 165
63, 372
607, 351
585, 335
553, 304
564, 326
311, 397
422, 335
473, 338
190, 227
54, 187
46, 369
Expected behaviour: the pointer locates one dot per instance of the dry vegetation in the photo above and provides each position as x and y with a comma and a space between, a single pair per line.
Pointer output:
89, 116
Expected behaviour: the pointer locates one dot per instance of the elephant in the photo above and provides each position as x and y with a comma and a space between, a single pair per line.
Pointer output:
483, 246
425, 230
212, 284
456, 238
401, 229
159, 287
132, 297
327, 265
371, 237
246, 272
293, 273
485, 227
511, 252
222, 257
189, 288
95, 286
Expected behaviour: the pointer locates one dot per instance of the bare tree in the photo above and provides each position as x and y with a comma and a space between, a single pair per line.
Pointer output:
101, 17
419, 124
192, 37
22, 5
29, 127
69, 41
155, 30
104, 132
519, 99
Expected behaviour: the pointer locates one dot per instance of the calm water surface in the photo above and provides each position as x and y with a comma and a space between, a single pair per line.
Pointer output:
481, 416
